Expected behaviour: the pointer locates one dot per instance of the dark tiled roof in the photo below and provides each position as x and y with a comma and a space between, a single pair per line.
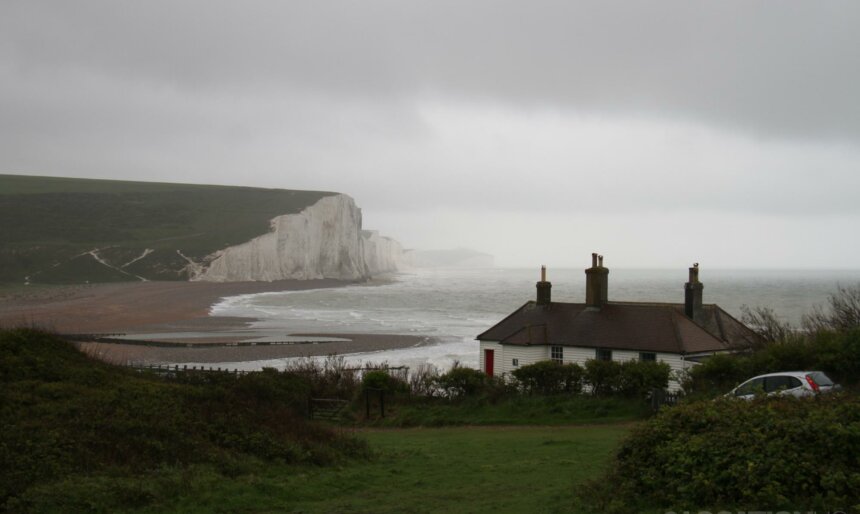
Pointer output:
655, 327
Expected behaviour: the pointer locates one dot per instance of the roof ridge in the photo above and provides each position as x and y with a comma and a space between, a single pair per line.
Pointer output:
509, 316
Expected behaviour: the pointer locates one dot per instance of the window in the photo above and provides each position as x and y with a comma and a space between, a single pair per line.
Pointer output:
602, 354
515, 362
556, 353
780, 383
750, 387
647, 356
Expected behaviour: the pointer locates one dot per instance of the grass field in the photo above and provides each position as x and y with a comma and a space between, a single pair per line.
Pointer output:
462, 469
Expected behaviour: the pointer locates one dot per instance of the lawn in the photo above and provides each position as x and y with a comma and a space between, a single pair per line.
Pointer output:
462, 469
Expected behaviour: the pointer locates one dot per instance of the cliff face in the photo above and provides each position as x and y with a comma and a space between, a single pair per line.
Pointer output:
324, 240
382, 254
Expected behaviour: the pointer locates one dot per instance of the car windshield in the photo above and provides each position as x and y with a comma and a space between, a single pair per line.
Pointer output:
820, 378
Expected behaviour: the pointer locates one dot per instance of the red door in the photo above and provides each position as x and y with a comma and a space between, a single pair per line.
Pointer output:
488, 362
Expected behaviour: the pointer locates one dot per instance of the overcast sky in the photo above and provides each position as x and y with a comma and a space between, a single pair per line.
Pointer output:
656, 133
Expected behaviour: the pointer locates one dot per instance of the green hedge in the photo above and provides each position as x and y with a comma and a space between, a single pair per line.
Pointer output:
770, 454
550, 377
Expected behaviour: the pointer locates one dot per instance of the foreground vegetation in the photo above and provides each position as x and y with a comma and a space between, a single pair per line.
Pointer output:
66, 417
49, 223
771, 454
82, 436
829, 341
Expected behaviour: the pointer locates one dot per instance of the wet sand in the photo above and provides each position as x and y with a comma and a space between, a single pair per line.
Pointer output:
180, 308
135, 306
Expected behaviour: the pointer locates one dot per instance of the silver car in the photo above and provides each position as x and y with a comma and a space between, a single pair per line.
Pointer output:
794, 383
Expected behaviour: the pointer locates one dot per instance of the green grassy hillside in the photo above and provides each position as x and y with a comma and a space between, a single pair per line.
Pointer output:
49, 226
68, 419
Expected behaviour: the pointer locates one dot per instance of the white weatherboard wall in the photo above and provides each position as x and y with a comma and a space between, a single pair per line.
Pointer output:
498, 358
505, 355
324, 240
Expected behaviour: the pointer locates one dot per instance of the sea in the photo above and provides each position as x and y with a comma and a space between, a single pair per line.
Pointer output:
452, 306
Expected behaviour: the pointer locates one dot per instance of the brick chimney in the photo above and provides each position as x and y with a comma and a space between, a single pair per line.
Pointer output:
693, 293
543, 289
596, 283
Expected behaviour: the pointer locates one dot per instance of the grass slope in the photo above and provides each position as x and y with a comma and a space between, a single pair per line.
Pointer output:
49, 223
72, 426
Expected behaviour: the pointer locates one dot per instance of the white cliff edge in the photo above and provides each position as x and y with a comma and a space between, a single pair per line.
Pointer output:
324, 240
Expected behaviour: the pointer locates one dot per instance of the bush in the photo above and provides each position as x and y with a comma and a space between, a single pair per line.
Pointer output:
330, 378
380, 379
842, 314
462, 381
602, 376
838, 355
638, 378
550, 377
717, 374
423, 380
776, 452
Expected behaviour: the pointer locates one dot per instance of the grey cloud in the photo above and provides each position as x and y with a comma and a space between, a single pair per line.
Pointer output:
771, 68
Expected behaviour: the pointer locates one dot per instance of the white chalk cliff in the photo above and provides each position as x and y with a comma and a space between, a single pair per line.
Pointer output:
382, 254
324, 240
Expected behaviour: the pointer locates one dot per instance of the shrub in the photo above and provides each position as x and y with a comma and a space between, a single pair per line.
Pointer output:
270, 386
381, 380
767, 325
602, 376
329, 378
550, 377
842, 314
776, 452
462, 381
423, 380
637, 378
717, 374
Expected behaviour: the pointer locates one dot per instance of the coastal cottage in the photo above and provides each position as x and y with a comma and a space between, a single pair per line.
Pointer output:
677, 334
